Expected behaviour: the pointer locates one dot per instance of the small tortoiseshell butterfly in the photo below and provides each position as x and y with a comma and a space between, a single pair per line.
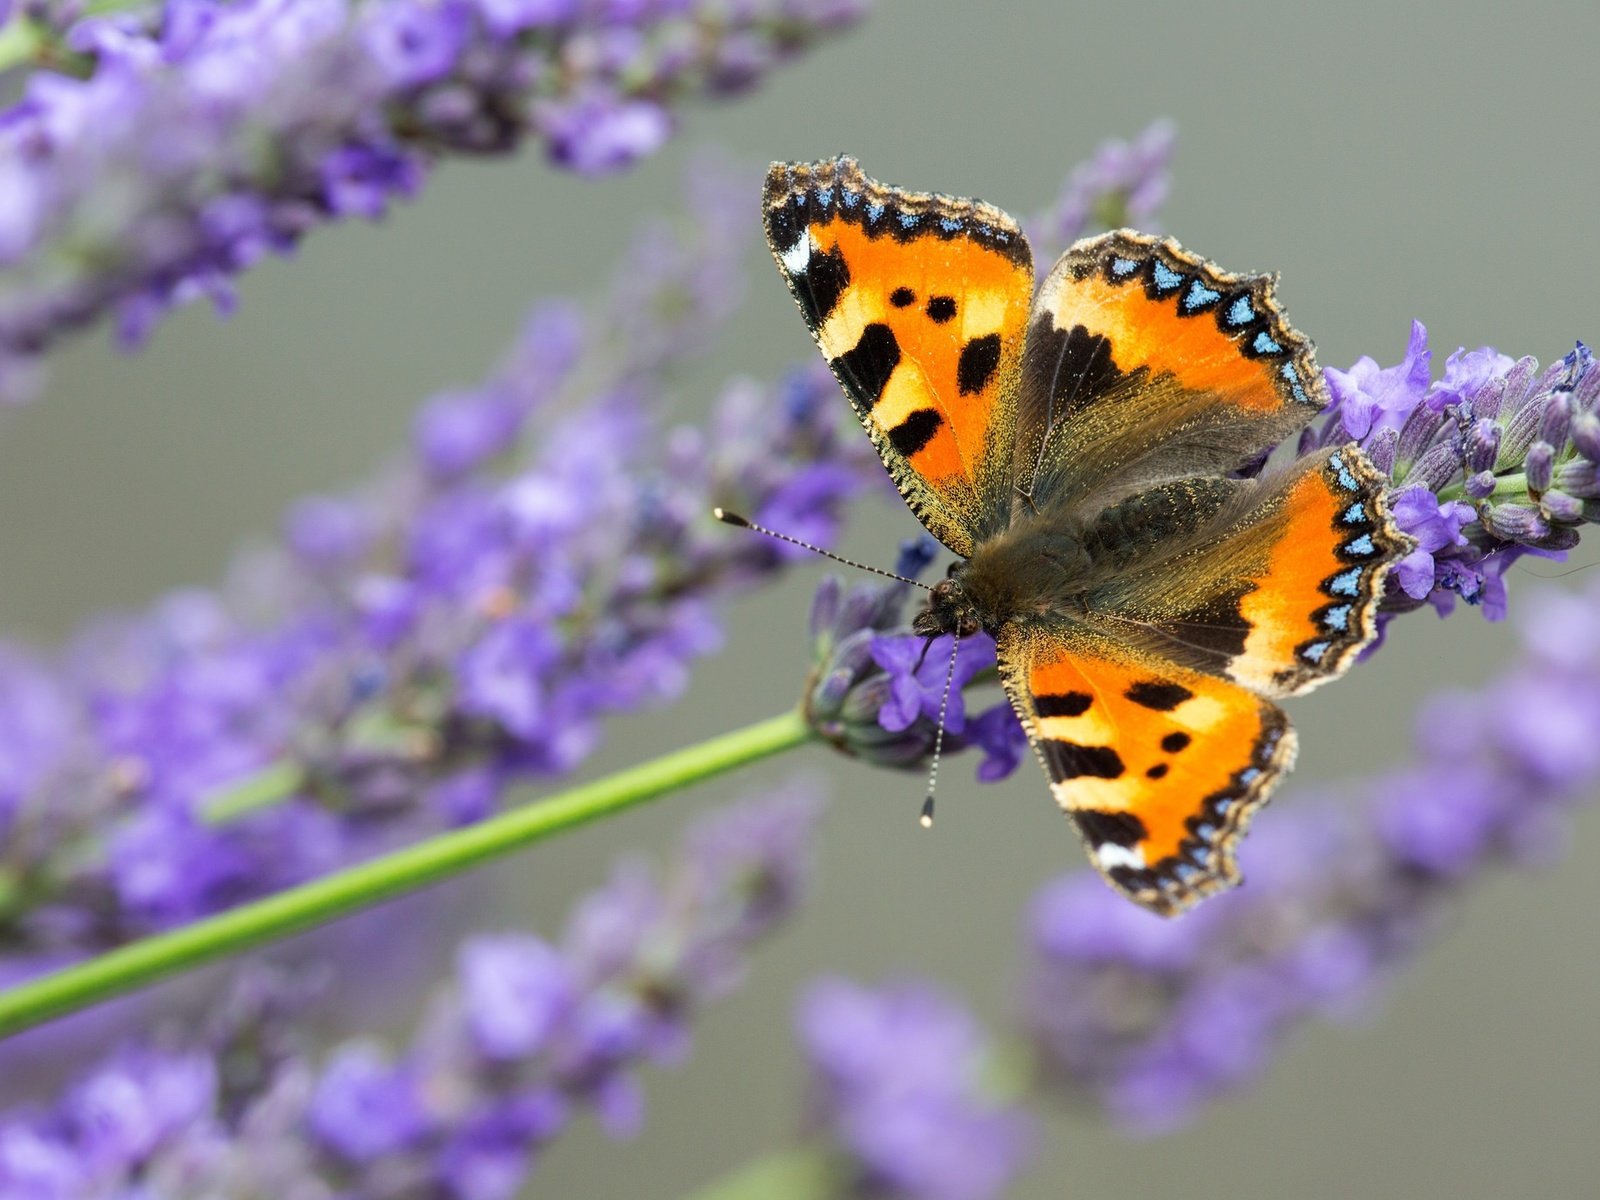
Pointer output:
1089, 453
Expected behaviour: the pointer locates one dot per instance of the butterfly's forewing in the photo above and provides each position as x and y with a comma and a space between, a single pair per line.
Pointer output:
920, 303
1146, 363
1159, 766
1281, 592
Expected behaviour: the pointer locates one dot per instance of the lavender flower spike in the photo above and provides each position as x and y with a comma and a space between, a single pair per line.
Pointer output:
1492, 461
1154, 1019
875, 688
208, 135
527, 1036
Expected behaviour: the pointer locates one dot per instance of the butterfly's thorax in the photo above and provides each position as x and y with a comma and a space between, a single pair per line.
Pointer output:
1026, 571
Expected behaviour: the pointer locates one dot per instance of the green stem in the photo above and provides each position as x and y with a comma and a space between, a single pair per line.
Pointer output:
1513, 486
800, 1174
142, 963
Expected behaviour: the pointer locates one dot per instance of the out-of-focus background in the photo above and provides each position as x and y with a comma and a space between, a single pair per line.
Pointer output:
1392, 161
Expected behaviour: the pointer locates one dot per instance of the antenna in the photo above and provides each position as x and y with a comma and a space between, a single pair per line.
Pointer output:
733, 518
938, 738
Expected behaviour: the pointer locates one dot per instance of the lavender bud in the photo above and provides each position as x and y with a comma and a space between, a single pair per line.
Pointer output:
1416, 435
1556, 419
1587, 390
1481, 486
1520, 428
1486, 401
1559, 506
1578, 477
1438, 466
1519, 381
1481, 445
1585, 433
1538, 466
824, 606
1515, 522
1381, 449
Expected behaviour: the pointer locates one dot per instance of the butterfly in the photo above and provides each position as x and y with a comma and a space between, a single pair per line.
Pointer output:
1093, 454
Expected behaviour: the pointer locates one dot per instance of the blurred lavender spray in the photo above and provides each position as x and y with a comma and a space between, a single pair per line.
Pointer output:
529, 1035
539, 561
159, 150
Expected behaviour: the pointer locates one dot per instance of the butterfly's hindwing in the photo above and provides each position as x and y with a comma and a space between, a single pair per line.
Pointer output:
1147, 363
1160, 767
919, 302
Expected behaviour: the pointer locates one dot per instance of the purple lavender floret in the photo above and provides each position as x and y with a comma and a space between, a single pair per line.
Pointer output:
1153, 1019
527, 1036
897, 1084
1493, 461
543, 560
203, 136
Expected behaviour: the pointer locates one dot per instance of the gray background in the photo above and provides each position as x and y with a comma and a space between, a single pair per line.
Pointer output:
1390, 160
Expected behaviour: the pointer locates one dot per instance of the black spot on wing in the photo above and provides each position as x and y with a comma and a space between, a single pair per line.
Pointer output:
1073, 367
1068, 760
1174, 742
821, 284
902, 297
1118, 828
869, 363
1062, 704
979, 359
1153, 693
1158, 771
916, 431
940, 309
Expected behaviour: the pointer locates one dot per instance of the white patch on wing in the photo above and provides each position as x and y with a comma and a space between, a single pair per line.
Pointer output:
798, 256
1111, 855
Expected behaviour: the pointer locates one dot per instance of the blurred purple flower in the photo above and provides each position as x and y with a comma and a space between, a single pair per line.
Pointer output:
1121, 183
898, 1085
207, 135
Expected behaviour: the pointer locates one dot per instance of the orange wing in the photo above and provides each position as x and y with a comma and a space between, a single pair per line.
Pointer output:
920, 303
1145, 363
1282, 594
1159, 766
